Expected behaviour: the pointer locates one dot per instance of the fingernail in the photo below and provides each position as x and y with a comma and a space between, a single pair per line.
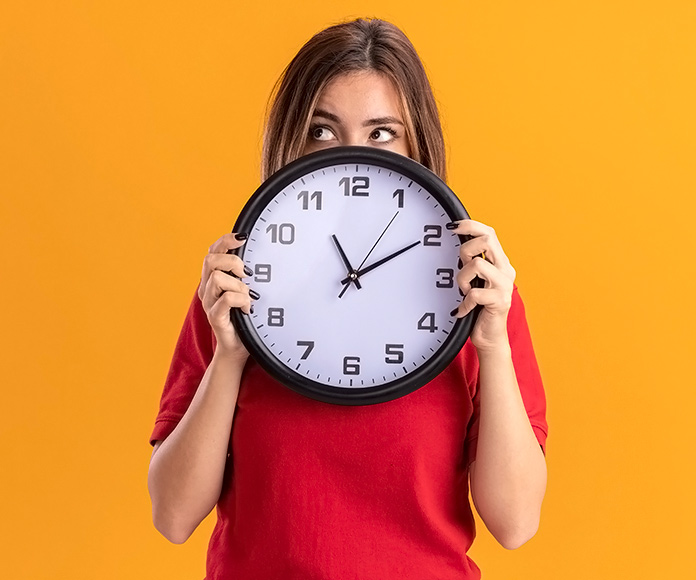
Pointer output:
251, 309
253, 294
455, 311
452, 225
241, 236
460, 264
248, 271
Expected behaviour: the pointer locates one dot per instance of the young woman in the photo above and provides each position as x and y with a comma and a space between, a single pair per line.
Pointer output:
306, 489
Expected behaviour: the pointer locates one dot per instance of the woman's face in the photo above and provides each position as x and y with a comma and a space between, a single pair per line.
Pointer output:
359, 108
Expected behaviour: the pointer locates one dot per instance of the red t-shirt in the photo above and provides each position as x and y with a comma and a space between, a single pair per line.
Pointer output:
314, 491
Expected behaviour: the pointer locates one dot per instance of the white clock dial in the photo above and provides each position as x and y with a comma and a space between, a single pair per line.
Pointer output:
356, 273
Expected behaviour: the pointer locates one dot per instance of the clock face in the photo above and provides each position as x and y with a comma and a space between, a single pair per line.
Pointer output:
356, 273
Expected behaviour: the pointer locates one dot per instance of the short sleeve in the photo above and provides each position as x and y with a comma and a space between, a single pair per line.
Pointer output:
192, 355
528, 379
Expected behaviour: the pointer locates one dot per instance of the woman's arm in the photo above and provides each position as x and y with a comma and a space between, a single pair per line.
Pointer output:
508, 476
187, 468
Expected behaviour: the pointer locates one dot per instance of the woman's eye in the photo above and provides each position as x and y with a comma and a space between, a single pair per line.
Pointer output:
321, 133
383, 134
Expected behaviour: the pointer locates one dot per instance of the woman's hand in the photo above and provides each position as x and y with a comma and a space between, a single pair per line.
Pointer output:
221, 289
483, 256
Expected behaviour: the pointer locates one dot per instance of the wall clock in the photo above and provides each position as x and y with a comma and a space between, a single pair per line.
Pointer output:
356, 274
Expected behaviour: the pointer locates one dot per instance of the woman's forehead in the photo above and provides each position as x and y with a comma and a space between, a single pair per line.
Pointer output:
365, 94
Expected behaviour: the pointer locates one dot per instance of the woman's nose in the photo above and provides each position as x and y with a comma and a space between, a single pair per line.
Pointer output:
352, 139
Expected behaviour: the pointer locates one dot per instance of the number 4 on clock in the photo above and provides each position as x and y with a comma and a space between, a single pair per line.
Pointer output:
427, 322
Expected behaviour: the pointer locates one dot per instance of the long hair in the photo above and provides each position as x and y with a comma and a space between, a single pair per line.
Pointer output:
358, 45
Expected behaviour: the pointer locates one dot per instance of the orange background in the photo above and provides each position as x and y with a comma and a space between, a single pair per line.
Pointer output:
130, 138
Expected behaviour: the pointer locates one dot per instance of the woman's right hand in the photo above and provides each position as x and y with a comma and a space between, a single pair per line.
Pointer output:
221, 289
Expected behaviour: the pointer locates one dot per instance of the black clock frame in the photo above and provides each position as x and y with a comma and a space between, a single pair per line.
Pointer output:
302, 384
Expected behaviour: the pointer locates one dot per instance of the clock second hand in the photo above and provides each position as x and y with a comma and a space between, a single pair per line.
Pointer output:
378, 263
391, 221
346, 284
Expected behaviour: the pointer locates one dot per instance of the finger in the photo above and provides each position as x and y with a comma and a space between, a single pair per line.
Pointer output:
492, 276
490, 252
229, 263
228, 242
469, 227
482, 239
220, 283
232, 264
494, 298
486, 297
219, 314
482, 246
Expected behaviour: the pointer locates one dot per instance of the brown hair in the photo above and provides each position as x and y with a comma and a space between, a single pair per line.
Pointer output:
358, 45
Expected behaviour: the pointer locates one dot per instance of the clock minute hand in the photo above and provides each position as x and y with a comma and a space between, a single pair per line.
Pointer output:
352, 275
378, 263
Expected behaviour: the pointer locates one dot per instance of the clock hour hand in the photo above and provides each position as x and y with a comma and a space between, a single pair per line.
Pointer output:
351, 271
378, 263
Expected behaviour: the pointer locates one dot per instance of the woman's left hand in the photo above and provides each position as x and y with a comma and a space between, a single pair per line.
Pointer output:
483, 256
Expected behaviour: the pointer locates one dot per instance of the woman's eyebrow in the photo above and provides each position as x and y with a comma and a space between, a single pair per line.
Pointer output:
369, 123
326, 115
383, 121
